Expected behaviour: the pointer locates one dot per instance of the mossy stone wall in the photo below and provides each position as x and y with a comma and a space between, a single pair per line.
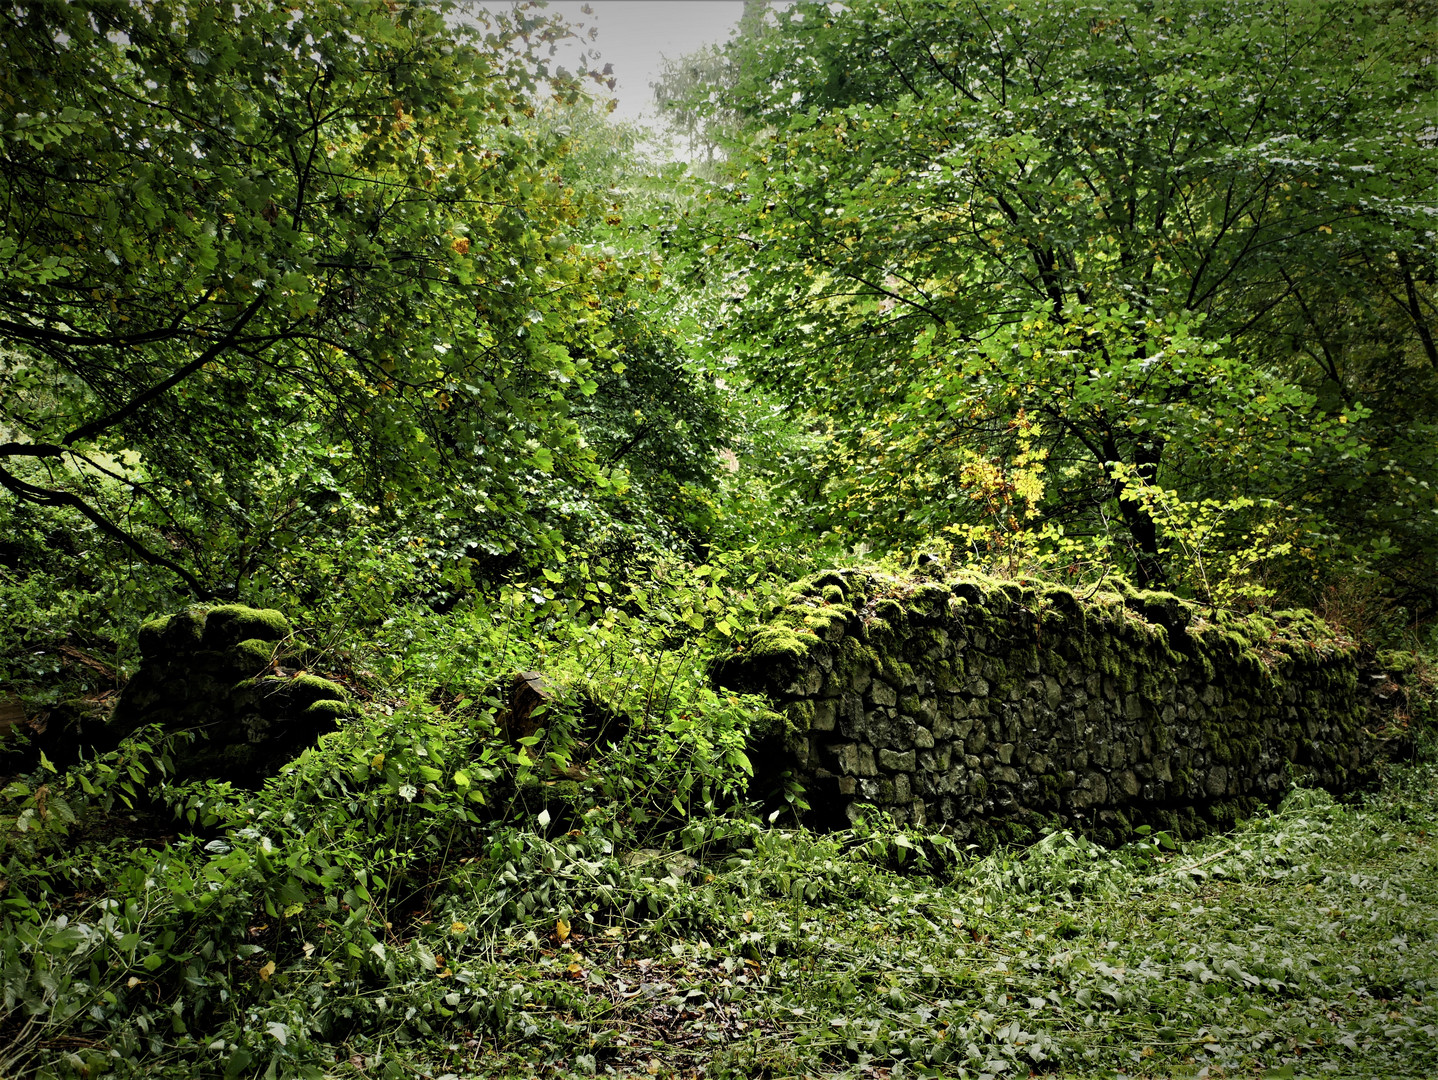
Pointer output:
998, 709
228, 675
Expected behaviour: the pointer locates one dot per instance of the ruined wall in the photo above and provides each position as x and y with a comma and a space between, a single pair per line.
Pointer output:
232, 677
998, 709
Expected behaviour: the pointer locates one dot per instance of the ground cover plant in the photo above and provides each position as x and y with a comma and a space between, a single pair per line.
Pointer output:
369, 915
362, 311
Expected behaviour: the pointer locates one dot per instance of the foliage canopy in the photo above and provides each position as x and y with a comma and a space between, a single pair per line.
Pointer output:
263, 264
900, 226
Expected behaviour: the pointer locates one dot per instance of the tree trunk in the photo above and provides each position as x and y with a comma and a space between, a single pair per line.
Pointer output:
1142, 529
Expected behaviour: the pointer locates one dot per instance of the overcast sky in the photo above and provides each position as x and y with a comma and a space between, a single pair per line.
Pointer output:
636, 35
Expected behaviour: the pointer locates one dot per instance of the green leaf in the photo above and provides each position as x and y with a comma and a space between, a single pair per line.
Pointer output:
66, 940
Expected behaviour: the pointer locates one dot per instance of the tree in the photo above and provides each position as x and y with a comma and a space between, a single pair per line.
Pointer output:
256, 255
692, 90
922, 177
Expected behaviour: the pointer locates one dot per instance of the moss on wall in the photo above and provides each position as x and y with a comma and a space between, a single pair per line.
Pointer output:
225, 674
987, 706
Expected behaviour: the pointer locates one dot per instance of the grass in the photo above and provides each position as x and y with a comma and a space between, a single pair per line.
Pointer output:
364, 917
1303, 944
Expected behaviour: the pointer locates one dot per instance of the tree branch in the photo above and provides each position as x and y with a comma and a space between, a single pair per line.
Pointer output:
51, 497
94, 427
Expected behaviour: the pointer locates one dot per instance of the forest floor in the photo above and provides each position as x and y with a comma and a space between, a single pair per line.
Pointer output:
1305, 943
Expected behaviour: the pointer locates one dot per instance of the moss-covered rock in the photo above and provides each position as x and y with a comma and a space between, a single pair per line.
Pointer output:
251, 658
225, 627
222, 673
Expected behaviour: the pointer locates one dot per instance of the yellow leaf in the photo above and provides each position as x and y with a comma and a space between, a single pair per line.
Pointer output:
134, 982
561, 929
267, 971
457, 928
748, 917
377, 761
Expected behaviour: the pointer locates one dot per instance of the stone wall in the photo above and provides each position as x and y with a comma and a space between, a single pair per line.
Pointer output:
234, 678
997, 709
231, 676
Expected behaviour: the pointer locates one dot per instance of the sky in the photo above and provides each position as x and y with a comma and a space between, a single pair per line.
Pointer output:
636, 35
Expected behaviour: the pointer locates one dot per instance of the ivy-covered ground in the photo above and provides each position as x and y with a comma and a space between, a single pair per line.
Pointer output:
417, 896
1303, 944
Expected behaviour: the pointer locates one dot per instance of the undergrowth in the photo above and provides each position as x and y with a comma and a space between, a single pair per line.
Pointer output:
420, 897
356, 932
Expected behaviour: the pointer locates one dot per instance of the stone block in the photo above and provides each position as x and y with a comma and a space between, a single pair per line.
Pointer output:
1097, 785
854, 759
806, 683
891, 731
1216, 783
949, 676
1053, 692
866, 766
1126, 783
879, 789
923, 709
896, 761
881, 693
826, 714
